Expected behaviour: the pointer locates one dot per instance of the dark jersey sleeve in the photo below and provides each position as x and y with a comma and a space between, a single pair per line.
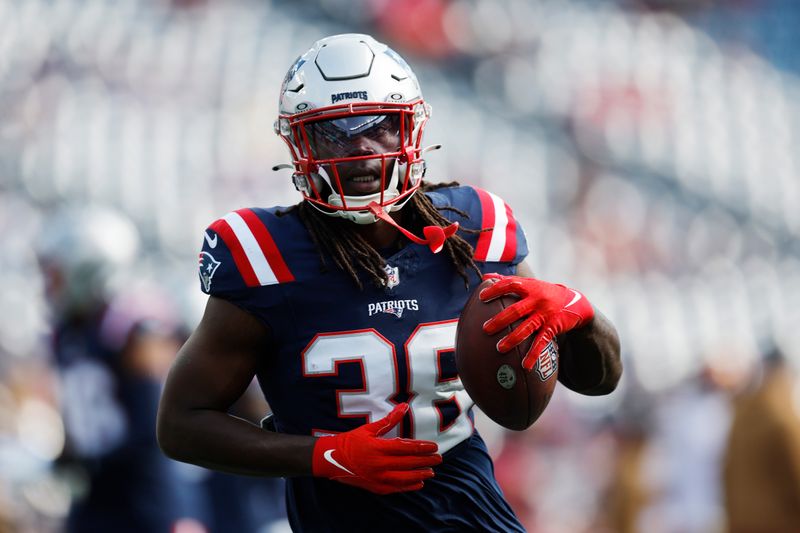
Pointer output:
218, 273
241, 262
491, 228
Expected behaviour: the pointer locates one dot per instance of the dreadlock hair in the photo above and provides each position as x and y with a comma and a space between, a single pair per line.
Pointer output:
352, 253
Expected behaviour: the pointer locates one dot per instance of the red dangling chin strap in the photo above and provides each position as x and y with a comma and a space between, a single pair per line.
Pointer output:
434, 235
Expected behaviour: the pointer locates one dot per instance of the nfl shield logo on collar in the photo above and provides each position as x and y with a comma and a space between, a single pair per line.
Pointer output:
393, 274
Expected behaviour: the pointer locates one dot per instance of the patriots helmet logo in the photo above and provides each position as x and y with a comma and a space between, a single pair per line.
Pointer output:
208, 265
396, 311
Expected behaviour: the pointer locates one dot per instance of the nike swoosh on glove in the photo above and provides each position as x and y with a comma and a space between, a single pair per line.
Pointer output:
547, 309
362, 458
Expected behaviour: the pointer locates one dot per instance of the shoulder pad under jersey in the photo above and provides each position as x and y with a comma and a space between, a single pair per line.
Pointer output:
239, 252
501, 238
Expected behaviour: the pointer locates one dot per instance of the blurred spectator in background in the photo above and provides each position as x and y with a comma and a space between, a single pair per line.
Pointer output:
112, 349
762, 462
690, 425
30, 437
628, 494
629, 491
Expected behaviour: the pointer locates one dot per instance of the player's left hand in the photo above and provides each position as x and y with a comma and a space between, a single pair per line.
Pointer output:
547, 309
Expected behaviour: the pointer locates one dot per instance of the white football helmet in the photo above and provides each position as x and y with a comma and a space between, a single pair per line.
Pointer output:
344, 88
83, 251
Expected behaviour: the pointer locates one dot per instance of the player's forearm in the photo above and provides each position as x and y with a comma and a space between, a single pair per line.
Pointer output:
219, 441
590, 357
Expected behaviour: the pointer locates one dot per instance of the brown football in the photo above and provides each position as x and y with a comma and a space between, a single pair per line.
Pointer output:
509, 395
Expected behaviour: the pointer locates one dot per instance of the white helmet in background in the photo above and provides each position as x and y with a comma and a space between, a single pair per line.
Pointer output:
82, 250
343, 87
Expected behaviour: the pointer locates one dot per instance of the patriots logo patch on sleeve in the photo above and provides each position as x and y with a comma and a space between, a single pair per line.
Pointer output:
208, 265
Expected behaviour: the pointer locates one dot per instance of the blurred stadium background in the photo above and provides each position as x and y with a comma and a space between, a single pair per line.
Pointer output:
648, 147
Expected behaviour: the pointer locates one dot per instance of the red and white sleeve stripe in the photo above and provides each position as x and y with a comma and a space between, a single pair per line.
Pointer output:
254, 251
499, 244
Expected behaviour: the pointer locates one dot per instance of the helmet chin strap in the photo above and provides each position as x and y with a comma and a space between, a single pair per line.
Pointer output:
434, 235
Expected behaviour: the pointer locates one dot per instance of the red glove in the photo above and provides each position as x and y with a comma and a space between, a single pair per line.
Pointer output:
548, 310
362, 458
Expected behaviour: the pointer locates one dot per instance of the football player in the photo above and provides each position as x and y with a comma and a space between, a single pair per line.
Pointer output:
345, 308
112, 352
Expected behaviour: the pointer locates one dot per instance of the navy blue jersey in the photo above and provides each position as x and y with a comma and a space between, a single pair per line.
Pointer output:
110, 417
341, 357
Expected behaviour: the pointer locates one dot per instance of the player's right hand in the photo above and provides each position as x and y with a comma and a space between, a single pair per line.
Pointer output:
362, 458
546, 310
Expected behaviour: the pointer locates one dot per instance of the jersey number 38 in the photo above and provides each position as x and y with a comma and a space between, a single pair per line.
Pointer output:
431, 393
